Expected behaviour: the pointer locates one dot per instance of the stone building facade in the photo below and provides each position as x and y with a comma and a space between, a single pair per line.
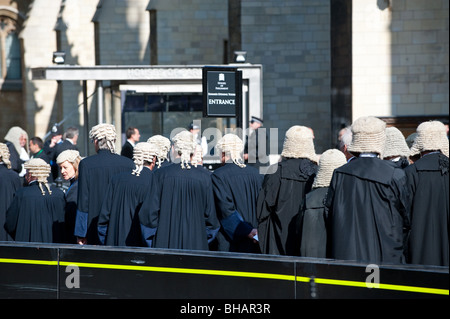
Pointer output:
325, 62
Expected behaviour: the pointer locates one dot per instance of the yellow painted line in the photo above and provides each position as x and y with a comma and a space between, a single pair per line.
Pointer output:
29, 261
184, 270
260, 275
381, 286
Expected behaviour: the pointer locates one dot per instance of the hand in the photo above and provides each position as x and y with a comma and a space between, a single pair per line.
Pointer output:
252, 234
81, 240
54, 140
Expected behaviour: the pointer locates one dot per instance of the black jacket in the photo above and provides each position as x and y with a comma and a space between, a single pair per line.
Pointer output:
368, 212
428, 183
279, 203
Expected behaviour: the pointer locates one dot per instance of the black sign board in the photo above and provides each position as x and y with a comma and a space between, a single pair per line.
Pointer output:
222, 92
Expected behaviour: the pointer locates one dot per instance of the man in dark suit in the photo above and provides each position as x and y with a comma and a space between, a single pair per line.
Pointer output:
70, 139
133, 137
37, 149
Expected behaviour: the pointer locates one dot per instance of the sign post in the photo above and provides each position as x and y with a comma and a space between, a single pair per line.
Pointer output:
222, 92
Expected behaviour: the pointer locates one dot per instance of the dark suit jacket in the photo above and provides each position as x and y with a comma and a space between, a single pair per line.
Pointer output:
127, 150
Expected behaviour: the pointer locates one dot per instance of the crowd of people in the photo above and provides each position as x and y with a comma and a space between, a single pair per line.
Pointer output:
376, 199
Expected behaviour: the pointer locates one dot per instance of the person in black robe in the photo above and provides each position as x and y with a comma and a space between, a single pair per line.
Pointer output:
95, 173
37, 211
9, 183
367, 201
312, 219
283, 192
118, 223
181, 209
17, 141
68, 162
429, 186
236, 188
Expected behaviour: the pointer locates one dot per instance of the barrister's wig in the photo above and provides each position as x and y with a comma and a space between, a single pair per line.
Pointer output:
163, 146
72, 156
232, 146
184, 144
329, 161
4, 155
395, 144
369, 135
143, 152
106, 136
431, 136
197, 158
39, 169
299, 143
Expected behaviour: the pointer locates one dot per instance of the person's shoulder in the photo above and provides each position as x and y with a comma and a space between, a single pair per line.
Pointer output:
9, 173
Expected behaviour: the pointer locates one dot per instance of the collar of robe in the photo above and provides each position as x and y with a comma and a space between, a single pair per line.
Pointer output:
368, 155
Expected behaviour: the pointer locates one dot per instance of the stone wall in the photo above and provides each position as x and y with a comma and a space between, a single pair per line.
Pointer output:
400, 58
291, 39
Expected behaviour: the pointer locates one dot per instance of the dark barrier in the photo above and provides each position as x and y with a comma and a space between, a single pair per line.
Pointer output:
69, 271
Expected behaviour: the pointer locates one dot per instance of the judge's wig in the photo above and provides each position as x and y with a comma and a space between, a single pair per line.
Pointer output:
184, 144
299, 143
106, 136
71, 156
431, 136
369, 136
395, 144
232, 146
143, 152
39, 169
163, 146
4, 155
329, 161
13, 136
197, 158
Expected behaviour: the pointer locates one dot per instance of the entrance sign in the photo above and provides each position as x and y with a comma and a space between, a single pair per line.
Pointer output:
222, 92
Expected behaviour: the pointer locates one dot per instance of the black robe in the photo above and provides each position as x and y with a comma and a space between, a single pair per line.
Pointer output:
94, 175
118, 223
51, 154
368, 212
236, 192
71, 210
181, 208
9, 183
279, 203
14, 157
312, 224
33, 217
428, 183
